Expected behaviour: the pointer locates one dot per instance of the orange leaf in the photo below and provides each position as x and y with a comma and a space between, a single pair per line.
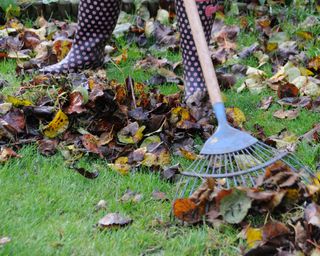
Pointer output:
186, 210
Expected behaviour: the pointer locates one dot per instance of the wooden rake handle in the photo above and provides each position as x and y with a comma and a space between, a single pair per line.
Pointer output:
203, 51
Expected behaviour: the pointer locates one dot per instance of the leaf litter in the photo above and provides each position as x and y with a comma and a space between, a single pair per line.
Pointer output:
131, 125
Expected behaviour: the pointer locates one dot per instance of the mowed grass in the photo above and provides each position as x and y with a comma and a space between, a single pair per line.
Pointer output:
48, 209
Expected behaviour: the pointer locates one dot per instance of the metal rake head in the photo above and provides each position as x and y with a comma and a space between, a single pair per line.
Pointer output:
238, 168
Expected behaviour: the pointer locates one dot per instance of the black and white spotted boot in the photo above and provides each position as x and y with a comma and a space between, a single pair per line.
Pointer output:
193, 77
96, 21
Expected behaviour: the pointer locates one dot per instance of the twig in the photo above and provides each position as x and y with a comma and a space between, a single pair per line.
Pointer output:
132, 91
20, 142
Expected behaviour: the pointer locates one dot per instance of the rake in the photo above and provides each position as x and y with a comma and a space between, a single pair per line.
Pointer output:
230, 156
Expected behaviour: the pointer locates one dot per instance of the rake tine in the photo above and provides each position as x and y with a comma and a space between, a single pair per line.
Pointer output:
236, 161
297, 161
196, 163
196, 179
248, 160
251, 179
232, 169
219, 169
226, 169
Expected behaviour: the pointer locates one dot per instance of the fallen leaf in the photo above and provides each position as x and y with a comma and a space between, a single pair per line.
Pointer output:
57, 126
131, 134
236, 117
289, 114
47, 147
159, 196
235, 206
61, 48
274, 229
75, 104
121, 165
186, 210
312, 214
131, 196
287, 90
101, 205
253, 236
114, 220
266, 103
91, 143
4, 240
85, 173
16, 102
6, 154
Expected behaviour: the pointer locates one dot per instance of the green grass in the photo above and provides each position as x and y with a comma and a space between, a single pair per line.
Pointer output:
48, 209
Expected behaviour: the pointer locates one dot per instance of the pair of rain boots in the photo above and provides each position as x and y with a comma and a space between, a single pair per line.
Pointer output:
96, 22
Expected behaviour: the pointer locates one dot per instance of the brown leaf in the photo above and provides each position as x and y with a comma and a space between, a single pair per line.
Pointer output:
287, 90
91, 143
186, 210
6, 154
170, 173
75, 104
273, 230
301, 102
265, 103
47, 147
314, 63
16, 119
159, 196
131, 196
30, 39
114, 220
85, 173
290, 114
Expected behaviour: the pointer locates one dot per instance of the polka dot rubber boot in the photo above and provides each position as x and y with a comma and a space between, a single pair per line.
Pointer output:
96, 21
193, 77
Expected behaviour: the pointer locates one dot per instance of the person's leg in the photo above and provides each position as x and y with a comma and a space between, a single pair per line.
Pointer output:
96, 21
193, 78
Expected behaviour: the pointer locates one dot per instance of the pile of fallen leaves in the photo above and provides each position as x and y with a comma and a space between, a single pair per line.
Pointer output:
289, 206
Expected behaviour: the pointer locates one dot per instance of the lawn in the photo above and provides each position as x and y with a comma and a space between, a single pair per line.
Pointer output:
48, 209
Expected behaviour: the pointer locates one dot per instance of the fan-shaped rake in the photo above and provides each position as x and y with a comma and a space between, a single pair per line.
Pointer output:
230, 156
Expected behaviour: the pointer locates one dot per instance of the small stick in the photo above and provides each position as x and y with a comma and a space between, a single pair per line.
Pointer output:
20, 142
132, 91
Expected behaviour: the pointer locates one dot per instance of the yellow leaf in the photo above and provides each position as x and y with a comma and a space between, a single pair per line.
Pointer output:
149, 160
121, 165
292, 195
305, 71
271, 47
188, 154
57, 126
18, 102
305, 35
237, 116
253, 236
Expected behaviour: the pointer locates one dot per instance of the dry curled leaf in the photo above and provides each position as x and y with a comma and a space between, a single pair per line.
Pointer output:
114, 220
186, 210
6, 154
